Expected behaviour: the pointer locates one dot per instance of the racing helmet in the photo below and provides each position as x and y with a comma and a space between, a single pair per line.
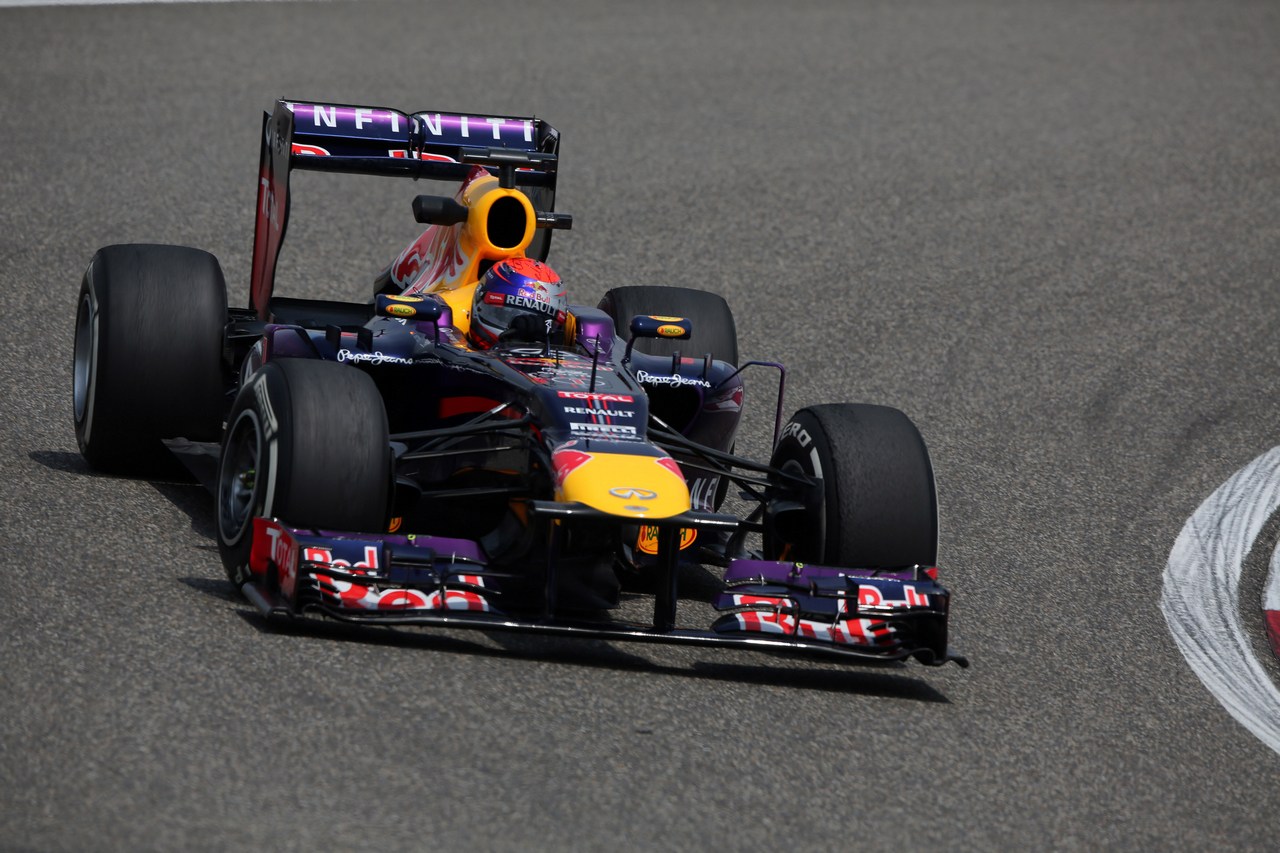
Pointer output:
511, 288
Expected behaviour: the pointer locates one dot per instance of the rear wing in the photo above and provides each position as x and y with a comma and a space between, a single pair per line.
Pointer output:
380, 141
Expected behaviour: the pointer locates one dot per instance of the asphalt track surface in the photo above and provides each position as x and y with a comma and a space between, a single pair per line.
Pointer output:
1048, 232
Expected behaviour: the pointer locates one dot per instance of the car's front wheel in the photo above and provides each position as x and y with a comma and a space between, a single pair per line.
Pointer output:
306, 442
878, 505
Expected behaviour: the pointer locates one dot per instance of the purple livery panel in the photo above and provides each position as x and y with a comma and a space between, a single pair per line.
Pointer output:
365, 573
351, 131
854, 607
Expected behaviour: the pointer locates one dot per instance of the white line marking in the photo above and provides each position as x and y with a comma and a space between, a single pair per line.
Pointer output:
1201, 599
1271, 592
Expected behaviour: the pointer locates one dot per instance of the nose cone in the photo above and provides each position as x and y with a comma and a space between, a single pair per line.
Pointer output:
630, 486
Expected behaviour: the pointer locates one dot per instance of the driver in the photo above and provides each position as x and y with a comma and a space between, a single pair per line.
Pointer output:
514, 288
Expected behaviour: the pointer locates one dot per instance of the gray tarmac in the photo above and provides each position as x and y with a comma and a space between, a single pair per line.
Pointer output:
1049, 232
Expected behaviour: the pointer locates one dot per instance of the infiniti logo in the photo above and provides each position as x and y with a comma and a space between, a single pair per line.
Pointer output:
628, 494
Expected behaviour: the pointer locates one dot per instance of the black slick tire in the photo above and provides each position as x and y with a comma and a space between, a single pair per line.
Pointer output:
307, 443
148, 355
879, 504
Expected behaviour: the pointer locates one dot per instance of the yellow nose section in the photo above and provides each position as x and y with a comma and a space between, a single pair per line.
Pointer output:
636, 487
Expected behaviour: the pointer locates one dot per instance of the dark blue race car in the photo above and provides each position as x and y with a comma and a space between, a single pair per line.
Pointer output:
468, 448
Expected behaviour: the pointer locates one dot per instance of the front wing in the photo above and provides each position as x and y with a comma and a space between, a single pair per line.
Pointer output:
858, 615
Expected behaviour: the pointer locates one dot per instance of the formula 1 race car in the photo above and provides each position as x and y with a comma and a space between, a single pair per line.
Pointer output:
379, 462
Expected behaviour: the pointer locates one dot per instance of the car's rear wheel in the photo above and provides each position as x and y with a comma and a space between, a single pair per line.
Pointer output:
714, 331
879, 505
148, 355
306, 442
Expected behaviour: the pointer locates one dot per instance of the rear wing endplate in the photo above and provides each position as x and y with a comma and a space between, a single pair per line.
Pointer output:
380, 141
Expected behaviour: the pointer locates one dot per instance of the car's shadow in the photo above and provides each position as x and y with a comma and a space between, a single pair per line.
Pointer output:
176, 484
888, 680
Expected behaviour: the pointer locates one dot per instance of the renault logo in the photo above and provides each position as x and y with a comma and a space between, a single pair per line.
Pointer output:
629, 494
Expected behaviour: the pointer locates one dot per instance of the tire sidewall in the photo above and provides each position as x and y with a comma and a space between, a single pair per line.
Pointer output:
256, 409
879, 499
803, 447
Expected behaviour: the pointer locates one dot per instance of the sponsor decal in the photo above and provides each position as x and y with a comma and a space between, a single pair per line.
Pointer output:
346, 355
870, 596
599, 413
774, 616
357, 596
647, 542
370, 596
666, 319
658, 379
330, 116
794, 430
539, 305
267, 195
670, 331
400, 297
402, 310
702, 492
325, 556
440, 124
400, 599
348, 593
609, 430
275, 135
457, 599
627, 493
534, 290
914, 598
270, 425
850, 632
284, 553
592, 395
297, 148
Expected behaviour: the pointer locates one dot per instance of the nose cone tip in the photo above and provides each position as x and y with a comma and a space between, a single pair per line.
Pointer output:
637, 487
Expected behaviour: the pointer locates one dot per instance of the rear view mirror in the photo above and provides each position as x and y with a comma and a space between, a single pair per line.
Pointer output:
651, 326
424, 309
654, 326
